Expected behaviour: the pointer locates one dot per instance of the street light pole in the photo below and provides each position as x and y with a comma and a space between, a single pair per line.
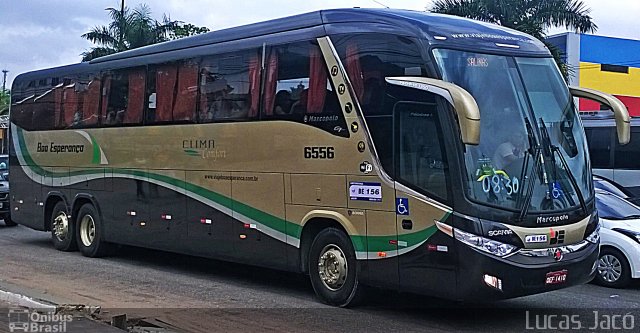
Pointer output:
4, 79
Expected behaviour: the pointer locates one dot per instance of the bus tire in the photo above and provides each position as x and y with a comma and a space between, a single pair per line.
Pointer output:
90, 233
62, 228
333, 269
7, 220
613, 269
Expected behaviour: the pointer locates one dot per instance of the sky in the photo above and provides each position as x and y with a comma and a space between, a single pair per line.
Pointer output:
36, 34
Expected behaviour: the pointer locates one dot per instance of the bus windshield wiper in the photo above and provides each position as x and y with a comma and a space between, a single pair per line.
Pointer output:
536, 153
555, 151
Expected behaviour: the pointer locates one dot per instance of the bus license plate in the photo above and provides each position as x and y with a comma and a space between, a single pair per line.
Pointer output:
556, 277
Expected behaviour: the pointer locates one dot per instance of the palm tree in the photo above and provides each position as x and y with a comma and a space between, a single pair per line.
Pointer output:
533, 17
128, 29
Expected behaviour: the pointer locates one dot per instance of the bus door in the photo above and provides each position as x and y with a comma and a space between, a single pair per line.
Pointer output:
426, 260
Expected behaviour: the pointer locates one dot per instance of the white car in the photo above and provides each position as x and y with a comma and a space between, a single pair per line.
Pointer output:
619, 260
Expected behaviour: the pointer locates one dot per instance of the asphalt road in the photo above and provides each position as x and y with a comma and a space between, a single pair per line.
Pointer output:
183, 293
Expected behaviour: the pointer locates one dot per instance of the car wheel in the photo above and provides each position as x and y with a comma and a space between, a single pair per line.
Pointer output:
62, 228
8, 222
333, 269
89, 233
613, 269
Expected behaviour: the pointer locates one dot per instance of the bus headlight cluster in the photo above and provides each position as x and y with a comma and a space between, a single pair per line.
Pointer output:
487, 245
595, 235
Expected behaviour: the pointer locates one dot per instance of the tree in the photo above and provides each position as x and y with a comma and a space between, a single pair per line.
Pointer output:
533, 17
185, 30
5, 100
130, 29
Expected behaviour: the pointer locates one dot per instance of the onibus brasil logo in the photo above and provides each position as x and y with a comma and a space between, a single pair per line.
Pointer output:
24, 320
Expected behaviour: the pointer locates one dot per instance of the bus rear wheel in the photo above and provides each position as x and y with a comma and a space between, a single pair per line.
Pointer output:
89, 233
333, 269
62, 228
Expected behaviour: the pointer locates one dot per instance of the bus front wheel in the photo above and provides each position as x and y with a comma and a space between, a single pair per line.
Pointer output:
89, 232
62, 228
333, 268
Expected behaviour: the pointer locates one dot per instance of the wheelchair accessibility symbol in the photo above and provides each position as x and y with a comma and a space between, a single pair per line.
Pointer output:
402, 206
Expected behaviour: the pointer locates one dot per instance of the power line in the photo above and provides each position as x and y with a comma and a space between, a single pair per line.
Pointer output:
381, 4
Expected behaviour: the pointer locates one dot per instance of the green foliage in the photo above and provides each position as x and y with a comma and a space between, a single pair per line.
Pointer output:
185, 30
5, 100
130, 29
533, 17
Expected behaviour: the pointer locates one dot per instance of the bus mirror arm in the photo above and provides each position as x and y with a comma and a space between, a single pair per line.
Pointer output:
463, 103
623, 123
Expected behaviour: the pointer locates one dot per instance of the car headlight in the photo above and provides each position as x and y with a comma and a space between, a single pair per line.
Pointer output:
487, 245
633, 234
595, 235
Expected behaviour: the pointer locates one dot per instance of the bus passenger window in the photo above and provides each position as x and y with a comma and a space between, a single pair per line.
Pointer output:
171, 92
125, 101
229, 87
297, 88
368, 60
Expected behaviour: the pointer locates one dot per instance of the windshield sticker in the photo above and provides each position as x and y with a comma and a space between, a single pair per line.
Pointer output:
495, 181
365, 191
556, 191
477, 62
402, 206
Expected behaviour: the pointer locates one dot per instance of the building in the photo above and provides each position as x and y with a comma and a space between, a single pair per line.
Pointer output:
603, 63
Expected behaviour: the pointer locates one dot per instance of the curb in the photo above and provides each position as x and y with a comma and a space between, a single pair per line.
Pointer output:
28, 302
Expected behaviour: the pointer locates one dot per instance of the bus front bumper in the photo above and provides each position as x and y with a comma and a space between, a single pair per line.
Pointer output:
483, 277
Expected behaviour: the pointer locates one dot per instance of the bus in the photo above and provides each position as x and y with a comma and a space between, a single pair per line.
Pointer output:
610, 160
364, 147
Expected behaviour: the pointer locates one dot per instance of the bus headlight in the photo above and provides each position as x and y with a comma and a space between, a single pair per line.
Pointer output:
595, 235
487, 245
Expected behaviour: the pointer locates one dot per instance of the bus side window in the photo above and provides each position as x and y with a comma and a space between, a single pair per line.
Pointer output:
626, 157
171, 92
124, 92
44, 110
599, 142
229, 86
369, 58
297, 88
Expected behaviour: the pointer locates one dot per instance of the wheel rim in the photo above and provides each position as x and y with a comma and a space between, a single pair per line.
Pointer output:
87, 230
332, 267
609, 268
61, 226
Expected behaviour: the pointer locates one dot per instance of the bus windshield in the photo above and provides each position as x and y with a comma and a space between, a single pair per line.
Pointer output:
532, 149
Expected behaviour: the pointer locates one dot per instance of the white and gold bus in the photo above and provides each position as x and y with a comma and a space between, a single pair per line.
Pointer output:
390, 148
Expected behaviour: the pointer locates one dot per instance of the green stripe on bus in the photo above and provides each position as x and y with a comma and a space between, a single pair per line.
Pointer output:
361, 243
96, 150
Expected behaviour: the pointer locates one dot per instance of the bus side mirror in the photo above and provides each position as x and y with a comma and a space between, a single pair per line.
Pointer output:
463, 103
620, 111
